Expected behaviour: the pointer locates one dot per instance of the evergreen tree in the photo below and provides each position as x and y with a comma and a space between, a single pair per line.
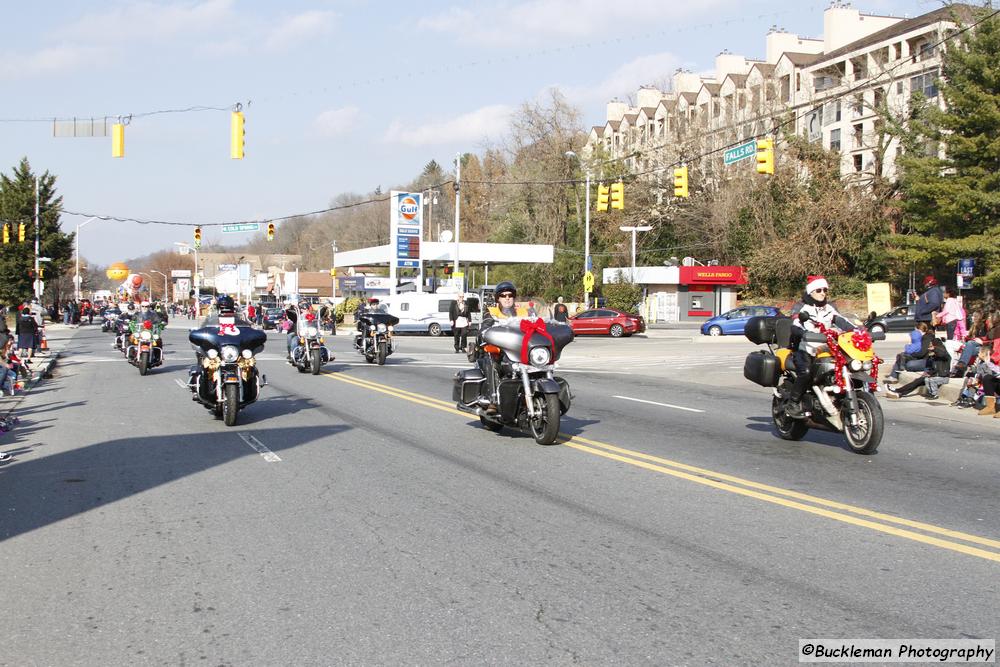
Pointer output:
17, 259
951, 196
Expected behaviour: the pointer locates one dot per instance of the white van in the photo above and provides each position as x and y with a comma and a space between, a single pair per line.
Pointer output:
428, 313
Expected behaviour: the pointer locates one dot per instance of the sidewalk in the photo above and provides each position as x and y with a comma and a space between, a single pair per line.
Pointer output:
57, 336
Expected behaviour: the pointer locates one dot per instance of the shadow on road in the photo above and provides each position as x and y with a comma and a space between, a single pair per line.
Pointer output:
47, 489
814, 436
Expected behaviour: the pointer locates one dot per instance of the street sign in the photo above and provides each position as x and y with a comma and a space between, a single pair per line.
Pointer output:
588, 282
590, 263
180, 273
241, 227
223, 268
742, 152
966, 269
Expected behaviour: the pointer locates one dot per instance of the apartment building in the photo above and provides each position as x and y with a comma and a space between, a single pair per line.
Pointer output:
879, 60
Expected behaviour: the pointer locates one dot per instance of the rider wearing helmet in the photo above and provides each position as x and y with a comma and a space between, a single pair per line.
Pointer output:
225, 304
503, 311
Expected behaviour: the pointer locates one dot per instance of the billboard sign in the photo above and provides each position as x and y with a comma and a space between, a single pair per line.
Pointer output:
406, 222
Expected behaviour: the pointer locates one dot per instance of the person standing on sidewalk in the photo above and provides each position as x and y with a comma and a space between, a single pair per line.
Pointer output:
560, 313
929, 302
459, 316
27, 332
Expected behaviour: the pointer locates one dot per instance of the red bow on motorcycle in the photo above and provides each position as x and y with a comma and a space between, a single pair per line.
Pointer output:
310, 317
861, 339
530, 327
147, 325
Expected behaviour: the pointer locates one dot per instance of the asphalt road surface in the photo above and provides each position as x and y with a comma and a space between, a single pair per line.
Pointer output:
358, 517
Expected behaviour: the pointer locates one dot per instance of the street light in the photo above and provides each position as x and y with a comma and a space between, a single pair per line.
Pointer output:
76, 279
587, 266
634, 229
197, 282
165, 295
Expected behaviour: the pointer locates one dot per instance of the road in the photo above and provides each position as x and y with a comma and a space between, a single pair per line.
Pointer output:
357, 517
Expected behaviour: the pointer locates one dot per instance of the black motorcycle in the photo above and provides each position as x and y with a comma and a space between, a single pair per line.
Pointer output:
376, 340
108, 320
122, 327
310, 353
226, 378
529, 396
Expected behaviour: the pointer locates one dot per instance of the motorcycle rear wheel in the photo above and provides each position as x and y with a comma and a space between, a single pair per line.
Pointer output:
545, 425
230, 404
867, 436
787, 428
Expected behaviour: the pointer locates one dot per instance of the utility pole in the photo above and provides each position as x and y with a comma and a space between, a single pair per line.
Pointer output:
458, 204
38, 280
587, 264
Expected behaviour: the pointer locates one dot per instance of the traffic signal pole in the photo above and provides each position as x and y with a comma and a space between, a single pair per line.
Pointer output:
586, 243
38, 280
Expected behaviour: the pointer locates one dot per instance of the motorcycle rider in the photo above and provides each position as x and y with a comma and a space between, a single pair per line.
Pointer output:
504, 311
149, 313
815, 310
292, 315
363, 321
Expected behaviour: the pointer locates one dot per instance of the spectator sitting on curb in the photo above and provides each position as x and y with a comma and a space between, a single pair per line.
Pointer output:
936, 373
987, 372
914, 355
973, 341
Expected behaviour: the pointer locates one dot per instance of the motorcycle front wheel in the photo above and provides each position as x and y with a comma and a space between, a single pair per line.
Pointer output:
787, 428
382, 352
545, 424
230, 404
316, 361
867, 435
143, 363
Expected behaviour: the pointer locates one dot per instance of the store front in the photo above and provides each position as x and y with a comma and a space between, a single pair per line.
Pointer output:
706, 291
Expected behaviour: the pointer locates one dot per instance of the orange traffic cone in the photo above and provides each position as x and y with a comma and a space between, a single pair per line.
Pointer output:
45, 343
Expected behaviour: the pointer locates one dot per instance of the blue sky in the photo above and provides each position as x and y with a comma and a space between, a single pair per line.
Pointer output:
341, 95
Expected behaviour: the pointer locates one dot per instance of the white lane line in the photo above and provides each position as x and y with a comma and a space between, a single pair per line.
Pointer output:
665, 405
259, 447
180, 384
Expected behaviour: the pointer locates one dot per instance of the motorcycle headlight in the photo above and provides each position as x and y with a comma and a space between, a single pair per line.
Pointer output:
381, 328
371, 327
867, 365
855, 365
247, 354
391, 329
540, 356
312, 332
212, 354
145, 335
230, 353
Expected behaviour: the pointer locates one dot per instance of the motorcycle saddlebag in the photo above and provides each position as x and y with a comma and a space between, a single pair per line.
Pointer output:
762, 368
760, 330
468, 385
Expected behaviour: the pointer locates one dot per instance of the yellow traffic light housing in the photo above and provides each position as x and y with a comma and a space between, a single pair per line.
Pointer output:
270, 231
197, 237
681, 182
6, 234
602, 198
618, 195
765, 156
237, 135
20, 232
118, 140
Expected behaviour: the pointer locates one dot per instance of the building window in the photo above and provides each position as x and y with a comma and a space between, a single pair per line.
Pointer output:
859, 136
879, 98
835, 140
824, 82
859, 105
897, 50
831, 112
925, 83
858, 166
899, 87
786, 88
926, 51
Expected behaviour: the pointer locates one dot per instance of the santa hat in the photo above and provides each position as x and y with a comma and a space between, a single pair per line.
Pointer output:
815, 283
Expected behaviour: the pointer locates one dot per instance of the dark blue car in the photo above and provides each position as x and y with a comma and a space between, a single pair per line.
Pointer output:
734, 321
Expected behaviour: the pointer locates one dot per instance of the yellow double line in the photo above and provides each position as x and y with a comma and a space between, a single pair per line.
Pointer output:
857, 516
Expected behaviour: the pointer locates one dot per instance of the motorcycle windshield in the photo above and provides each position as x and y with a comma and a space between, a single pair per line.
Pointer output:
381, 318
209, 338
510, 339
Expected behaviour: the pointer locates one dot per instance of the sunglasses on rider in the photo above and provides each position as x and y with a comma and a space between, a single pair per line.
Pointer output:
824, 290
505, 295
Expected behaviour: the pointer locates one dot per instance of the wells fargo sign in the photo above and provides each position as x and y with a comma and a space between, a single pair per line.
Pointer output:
713, 275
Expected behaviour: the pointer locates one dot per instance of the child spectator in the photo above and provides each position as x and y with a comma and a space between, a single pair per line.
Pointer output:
936, 373
988, 373
914, 355
953, 315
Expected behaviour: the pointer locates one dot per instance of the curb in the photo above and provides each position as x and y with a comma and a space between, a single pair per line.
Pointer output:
40, 372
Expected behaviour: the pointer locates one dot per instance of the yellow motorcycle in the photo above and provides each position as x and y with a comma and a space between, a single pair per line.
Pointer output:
844, 381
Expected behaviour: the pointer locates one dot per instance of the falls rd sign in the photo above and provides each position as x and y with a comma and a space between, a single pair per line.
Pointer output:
242, 227
741, 152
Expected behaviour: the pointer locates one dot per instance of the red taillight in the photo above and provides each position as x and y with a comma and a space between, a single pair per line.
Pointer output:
147, 324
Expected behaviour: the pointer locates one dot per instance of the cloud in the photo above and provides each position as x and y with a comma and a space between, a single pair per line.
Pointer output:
299, 28
533, 21
467, 128
655, 68
53, 60
144, 21
334, 122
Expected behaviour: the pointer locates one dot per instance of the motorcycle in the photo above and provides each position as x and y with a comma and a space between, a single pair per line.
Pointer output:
311, 352
844, 380
225, 379
530, 397
122, 331
108, 321
145, 349
378, 340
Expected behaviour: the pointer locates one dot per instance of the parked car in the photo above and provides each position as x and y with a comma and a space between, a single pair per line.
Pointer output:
607, 322
734, 321
897, 319
271, 318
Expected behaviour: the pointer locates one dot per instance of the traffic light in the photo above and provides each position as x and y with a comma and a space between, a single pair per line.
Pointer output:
197, 237
118, 140
618, 195
6, 234
41, 273
602, 198
270, 231
447, 269
20, 232
681, 182
237, 135
765, 156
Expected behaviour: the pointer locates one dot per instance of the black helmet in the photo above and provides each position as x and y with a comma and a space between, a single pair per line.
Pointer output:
225, 304
505, 286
